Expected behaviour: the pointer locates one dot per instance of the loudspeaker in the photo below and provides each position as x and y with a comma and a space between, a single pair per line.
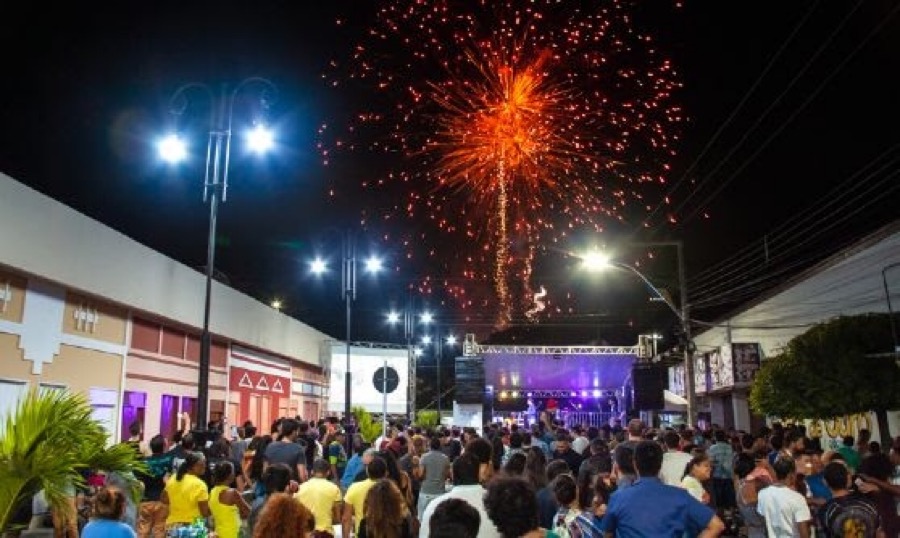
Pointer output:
469, 380
649, 382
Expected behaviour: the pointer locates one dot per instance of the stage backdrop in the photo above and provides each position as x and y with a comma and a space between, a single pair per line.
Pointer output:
553, 372
364, 362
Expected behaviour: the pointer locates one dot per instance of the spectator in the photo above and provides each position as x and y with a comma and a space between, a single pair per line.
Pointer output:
228, 507
696, 473
275, 479
434, 468
785, 511
151, 512
354, 500
108, 509
674, 511
466, 486
847, 509
572, 520
511, 506
674, 460
186, 494
283, 517
322, 498
286, 450
546, 499
386, 514
454, 518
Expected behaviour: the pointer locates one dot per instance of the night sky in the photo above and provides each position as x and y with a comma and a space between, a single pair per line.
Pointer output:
806, 161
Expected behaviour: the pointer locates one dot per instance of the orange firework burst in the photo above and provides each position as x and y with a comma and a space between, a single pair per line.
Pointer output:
519, 122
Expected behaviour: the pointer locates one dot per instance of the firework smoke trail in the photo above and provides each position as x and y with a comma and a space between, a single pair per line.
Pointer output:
509, 126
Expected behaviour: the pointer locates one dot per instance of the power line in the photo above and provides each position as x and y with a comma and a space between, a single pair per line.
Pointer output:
791, 117
733, 113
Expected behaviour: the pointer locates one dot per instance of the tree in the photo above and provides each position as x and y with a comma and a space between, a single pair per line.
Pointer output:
46, 443
367, 428
842, 366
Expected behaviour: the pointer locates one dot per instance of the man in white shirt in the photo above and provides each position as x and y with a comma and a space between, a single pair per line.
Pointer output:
785, 511
674, 460
466, 487
581, 441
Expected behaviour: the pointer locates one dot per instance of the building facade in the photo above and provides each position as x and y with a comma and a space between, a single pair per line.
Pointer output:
85, 308
863, 278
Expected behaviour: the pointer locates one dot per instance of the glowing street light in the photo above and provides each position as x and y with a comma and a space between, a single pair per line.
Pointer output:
373, 264
173, 149
598, 260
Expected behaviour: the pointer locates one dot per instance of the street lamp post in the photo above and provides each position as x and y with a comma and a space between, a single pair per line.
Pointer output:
348, 291
215, 189
599, 260
409, 329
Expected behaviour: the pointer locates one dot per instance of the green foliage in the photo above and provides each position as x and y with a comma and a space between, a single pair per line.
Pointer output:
46, 442
369, 429
427, 418
839, 367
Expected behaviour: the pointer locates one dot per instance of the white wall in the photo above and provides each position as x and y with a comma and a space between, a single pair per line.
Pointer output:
43, 237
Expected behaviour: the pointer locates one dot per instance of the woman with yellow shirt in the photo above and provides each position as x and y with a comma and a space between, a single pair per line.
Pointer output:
186, 494
228, 507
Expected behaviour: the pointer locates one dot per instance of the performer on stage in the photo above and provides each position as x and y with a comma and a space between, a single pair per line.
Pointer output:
530, 413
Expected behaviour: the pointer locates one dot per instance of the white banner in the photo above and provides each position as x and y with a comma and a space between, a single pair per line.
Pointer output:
364, 362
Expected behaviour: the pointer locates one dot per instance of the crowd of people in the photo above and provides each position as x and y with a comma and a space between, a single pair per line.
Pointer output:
313, 479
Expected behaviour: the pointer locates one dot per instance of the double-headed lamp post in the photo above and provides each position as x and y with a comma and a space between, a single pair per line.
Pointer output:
598, 260
173, 149
409, 329
373, 264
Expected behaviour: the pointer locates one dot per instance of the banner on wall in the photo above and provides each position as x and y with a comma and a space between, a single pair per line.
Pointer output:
746, 358
364, 363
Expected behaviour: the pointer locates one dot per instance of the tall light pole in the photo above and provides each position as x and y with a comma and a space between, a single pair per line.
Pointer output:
348, 291
215, 188
599, 260
409, 330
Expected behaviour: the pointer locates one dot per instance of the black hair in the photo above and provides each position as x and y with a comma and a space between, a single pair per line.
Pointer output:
288, 427
648, 456
536, 467
187, 441
511, 503
515, 465
515, 440
157, 444
743, 464
377, 468
624, 457
454, 518
258, 446
276, 478
877, 465
564, 489
222, 472
190, 459
465, 470
783, 467
481, 448
556, 468
672, 439
835, 475
435, 443
134, 428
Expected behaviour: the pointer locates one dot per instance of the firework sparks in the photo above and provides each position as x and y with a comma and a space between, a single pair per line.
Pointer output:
519, 123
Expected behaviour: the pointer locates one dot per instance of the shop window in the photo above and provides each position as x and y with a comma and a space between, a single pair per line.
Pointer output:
10, 393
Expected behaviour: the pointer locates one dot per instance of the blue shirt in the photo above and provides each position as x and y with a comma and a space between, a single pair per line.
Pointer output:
818, 487
354, 466
674, 511
107, 528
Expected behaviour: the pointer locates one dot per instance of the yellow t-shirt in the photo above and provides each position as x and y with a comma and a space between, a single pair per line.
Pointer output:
226, 517
184, 496
319, 496
356, 496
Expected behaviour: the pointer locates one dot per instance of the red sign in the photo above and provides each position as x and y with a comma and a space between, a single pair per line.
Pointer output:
250, 381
